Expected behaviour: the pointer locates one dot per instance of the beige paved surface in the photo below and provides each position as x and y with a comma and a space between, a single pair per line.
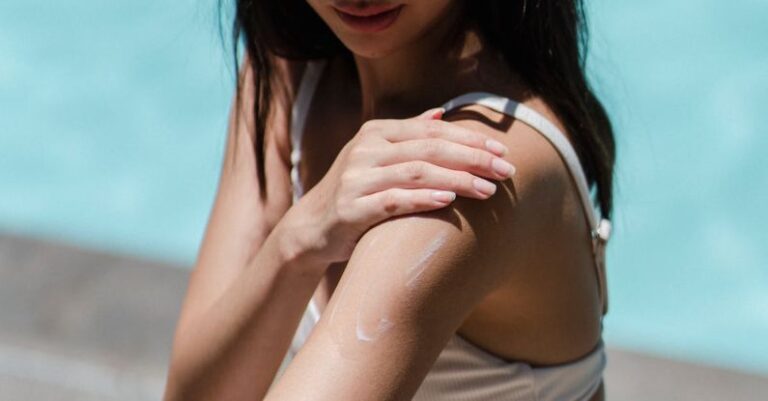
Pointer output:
82, 325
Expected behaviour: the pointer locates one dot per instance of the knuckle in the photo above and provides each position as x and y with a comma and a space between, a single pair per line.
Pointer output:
432, 129
479, 161
359, 151
464, 181
389, 202
347, 177
477, 138
432, 148
343, 212
369, 127
401, 127
414, 171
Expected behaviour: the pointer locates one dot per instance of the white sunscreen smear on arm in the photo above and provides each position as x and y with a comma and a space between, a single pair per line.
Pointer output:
412, 276
415, 271
367, 329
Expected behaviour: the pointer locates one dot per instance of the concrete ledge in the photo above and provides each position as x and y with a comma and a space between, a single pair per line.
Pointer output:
83, 325
634, 376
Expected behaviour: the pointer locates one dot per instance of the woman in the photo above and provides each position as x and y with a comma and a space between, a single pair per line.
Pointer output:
408, 291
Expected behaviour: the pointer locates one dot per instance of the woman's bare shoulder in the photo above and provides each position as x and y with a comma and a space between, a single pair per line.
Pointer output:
539, 237
542, 182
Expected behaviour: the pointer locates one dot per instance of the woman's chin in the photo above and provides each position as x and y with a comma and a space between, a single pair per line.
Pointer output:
369, 54
369, 51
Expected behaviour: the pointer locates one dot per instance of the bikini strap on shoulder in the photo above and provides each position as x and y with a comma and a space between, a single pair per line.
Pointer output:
600, 229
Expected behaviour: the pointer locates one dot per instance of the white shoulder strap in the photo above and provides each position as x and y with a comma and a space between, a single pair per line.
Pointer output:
309, 80
599, 229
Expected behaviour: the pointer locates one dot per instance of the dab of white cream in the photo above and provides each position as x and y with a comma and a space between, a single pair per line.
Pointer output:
382, 325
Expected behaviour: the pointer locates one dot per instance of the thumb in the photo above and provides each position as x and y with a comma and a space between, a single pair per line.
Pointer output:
431, 114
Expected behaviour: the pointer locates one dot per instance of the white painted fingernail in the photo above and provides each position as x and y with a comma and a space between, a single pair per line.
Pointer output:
502, 167
444, 196
496, 147
486, 187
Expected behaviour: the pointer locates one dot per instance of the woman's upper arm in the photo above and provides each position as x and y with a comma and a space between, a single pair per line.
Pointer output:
240, 219
411, 282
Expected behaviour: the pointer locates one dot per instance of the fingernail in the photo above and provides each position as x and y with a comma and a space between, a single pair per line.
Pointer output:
444, 196
502, 167
496, 147
438, 112
486, 187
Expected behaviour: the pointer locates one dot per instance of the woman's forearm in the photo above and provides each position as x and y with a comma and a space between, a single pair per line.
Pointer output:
233, 349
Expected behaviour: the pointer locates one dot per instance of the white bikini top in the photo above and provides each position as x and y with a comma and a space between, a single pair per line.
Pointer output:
463, 371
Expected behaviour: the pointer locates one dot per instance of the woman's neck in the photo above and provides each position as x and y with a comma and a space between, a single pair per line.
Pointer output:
418, 76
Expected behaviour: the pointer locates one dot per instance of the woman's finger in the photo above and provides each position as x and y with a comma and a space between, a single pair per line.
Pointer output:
431, 114
421, 174
447, 154
403, 130
399, 201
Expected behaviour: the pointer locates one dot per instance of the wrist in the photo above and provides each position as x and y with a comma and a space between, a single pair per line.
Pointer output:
299, 244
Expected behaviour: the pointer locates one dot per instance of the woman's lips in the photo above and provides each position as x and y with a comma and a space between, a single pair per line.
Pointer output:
369, 18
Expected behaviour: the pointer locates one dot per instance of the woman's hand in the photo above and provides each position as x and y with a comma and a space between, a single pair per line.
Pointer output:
390, 168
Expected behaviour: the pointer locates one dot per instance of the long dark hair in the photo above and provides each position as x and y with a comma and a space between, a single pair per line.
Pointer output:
544, 41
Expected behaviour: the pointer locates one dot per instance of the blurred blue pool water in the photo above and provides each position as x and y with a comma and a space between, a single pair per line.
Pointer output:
112, 119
